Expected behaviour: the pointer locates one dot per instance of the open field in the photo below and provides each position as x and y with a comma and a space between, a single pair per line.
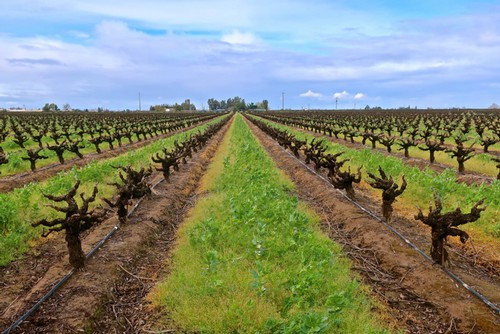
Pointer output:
246, 236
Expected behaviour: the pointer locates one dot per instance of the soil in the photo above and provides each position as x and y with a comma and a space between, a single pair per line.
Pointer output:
9, 183
415, 292
108, 294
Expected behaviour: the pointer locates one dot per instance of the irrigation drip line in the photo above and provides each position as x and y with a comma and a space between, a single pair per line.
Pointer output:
457, 279
40, 302
72, 271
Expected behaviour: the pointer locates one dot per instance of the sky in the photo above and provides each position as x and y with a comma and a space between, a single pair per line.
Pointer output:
317, 54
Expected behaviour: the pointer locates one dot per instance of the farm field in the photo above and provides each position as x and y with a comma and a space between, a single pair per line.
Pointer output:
239, 234
69, 139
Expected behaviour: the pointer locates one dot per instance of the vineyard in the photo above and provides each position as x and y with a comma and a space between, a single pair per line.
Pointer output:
269, 222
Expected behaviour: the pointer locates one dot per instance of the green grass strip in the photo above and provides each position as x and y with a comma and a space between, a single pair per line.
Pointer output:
251, 258
422, 184
23, 206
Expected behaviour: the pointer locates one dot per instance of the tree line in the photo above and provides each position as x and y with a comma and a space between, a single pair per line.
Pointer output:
236, 104
231, 104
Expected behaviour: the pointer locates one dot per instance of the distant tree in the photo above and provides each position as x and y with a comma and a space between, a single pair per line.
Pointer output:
213, 104
494, 106
66, 107
187, 105
265, 104
159, 107
236, 104
50, 107
367, 107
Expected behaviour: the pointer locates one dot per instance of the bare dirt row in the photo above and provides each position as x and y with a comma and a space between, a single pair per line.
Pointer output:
108, 295
417, 293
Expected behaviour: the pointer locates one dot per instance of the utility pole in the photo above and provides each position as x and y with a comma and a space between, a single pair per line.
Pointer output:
140, 107
282, 100
336, 103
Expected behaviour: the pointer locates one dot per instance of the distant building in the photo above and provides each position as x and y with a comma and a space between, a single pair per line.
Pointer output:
14, 109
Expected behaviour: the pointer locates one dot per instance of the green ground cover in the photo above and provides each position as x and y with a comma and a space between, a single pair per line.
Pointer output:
480, 162
251, 258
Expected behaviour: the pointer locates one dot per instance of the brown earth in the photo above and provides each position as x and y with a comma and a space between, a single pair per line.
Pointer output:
417, 293
108, 294
9, 183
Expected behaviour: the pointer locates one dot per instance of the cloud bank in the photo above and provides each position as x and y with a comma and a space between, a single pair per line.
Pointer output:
94, 53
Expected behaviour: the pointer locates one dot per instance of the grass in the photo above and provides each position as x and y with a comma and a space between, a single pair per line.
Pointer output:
422, 184
251, 259
479, 163
23, 206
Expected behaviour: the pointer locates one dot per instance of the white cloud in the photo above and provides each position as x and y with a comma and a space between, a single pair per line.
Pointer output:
241, 38
359, 96
341, 95
312, 94
79, 34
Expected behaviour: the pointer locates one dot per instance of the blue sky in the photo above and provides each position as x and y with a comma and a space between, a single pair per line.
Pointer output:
388, 53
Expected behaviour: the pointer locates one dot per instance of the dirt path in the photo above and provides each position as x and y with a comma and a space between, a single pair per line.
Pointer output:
9, 183
469, 177
108, 295
419, 295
